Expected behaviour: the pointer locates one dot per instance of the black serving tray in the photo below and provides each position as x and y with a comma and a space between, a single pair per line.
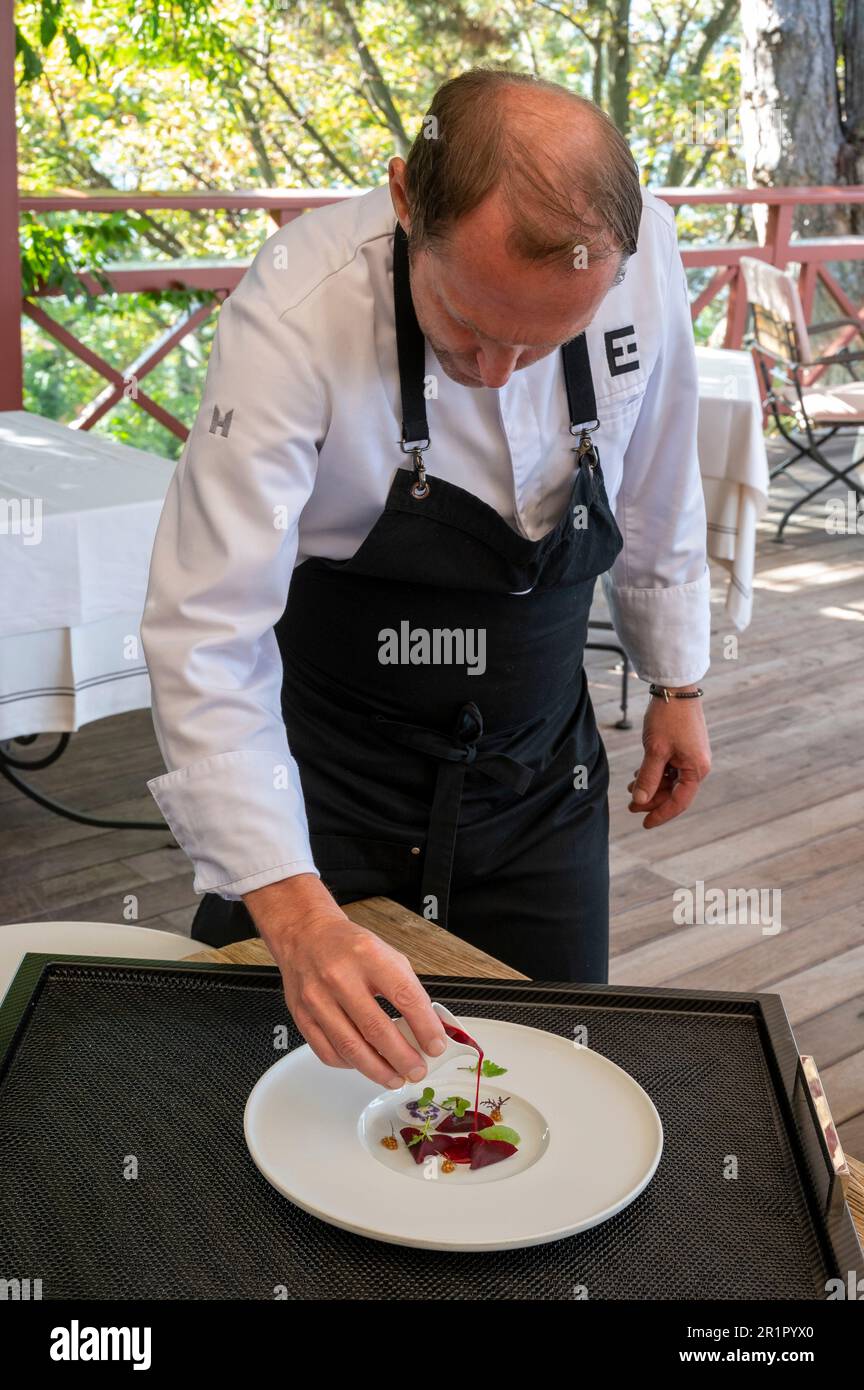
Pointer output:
108, 1067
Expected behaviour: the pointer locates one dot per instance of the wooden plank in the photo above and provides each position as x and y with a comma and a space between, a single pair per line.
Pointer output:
852, 1138
154, 899
855, 1194
731, 802
833, 1035
824, 986
842, 1085
738, 957
93, 847
180, 919
157, 863
430, 949
824, 876
735, 852
87, 775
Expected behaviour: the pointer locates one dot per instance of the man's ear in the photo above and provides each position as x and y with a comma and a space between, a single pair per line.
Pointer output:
396, 171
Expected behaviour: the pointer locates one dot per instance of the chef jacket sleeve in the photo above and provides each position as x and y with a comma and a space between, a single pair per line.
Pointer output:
658, 590
222, 562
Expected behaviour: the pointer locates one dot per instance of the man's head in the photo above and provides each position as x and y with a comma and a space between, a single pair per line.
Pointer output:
522, 204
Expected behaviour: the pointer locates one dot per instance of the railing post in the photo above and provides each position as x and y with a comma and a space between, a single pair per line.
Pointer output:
11, 373
808, 280
778, 232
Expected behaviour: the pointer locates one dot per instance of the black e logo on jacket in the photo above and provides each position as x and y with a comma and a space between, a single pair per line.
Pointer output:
621, 350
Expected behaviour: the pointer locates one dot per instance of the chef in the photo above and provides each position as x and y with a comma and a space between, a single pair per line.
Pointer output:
434, 414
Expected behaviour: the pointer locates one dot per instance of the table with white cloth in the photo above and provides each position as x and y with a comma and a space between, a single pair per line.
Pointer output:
78, 515
733, 462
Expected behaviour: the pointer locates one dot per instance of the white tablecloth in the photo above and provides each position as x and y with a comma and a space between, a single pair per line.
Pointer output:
78, 514
57, 680
734, 465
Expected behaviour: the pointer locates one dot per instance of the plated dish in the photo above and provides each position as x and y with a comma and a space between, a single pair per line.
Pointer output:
579, 1140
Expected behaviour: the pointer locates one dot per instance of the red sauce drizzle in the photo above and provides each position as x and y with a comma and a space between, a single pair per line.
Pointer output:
458, 1035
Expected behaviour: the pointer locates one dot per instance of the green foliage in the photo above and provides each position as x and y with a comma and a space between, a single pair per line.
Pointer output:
201, 95
51, 18
56, 247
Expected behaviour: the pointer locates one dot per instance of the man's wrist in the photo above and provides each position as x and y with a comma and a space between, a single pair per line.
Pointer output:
279, 908
681, 694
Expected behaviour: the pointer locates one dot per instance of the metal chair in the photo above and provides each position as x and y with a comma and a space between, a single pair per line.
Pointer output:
780, 343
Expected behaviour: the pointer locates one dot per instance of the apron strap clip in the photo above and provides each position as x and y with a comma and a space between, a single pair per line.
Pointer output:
420, 486
586, 448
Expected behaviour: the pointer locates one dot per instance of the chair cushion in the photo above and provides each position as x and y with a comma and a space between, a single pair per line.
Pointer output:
830, 404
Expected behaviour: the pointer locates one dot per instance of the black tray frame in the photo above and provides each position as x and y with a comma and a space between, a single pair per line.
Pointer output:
841, 1247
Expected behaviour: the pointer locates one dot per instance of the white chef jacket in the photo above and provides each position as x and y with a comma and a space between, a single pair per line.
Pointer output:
292, 455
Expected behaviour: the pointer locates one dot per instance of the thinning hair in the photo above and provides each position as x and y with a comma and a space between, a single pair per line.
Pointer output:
566, 194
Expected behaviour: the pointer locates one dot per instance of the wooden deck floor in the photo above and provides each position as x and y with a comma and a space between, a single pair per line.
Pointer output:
782, 810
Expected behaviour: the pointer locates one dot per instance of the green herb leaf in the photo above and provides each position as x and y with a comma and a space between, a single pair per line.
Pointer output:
504, 1132
458, 1104
427, 1097
489, 1068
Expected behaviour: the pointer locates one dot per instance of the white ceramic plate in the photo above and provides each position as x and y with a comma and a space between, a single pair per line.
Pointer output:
591, 1141
87, 939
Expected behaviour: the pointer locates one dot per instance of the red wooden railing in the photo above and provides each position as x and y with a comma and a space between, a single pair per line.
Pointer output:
220, 276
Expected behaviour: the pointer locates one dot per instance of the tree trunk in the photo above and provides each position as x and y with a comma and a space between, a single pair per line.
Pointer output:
790, 116
852, 155
618, 65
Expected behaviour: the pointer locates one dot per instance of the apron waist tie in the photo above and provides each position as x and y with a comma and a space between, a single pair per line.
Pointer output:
456, 754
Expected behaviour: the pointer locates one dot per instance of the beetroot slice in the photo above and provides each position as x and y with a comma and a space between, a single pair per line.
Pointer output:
471, 1120
434, 1144
457, 1150
486, 1151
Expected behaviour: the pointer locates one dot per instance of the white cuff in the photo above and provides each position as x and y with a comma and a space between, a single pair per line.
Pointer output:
666, 632
240, 818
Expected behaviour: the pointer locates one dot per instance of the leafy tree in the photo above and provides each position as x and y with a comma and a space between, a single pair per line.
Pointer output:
175, 95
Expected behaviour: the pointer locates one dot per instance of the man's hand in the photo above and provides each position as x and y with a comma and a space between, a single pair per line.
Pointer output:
332, 970
677, 757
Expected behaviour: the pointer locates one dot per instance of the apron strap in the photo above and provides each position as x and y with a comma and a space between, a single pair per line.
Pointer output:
411, 352
581, 400
410, 346
455, 755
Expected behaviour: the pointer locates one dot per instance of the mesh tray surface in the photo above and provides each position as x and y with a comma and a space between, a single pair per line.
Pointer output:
157, 1063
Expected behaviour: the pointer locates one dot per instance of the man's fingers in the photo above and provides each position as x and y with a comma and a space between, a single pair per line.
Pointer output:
398, 983
659, 797
349, 1044
317, 1041
681, 796
649, 777
657, 800
381, 1033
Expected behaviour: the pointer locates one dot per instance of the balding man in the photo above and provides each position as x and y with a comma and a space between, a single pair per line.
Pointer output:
371, 583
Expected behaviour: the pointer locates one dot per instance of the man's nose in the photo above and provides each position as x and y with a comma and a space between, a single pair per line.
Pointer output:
496, 365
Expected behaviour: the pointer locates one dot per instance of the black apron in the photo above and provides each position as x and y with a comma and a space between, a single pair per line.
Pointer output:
436, 703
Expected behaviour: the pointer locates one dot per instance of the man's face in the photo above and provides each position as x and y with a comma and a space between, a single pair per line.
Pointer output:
487, 313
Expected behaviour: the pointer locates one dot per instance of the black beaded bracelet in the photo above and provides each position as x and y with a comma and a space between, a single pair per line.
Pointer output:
675, 694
